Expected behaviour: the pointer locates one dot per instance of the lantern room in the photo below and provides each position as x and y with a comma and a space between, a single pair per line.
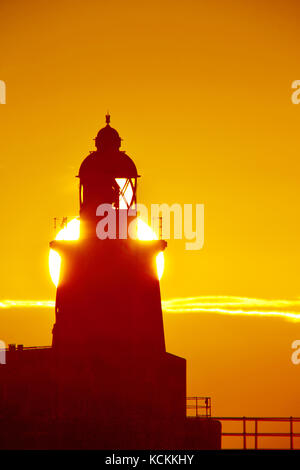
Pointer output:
107, 176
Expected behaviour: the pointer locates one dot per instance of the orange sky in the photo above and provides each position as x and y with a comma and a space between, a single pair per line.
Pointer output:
201, 94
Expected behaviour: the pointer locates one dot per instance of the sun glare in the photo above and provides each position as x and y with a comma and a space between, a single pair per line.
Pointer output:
72, 231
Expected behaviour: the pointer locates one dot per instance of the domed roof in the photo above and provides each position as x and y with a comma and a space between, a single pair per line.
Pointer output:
118, 165
108, 138
107, 159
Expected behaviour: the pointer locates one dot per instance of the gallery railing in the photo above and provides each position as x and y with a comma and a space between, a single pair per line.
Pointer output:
198, 407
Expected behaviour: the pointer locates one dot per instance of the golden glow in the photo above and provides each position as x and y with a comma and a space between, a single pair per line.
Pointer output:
239, 156
72, 232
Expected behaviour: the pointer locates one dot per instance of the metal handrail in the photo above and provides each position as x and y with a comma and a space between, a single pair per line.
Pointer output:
25, 348
244, 434
199, 404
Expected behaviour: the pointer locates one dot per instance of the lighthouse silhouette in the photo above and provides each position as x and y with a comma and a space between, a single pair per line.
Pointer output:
108, 298
107, 382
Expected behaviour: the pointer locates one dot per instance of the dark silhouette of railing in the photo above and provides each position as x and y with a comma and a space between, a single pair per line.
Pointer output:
20, 347
200, 407
256, 433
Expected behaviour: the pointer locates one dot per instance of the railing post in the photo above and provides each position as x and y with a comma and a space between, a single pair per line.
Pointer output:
196, 407
291, 433
244, 433
255, 437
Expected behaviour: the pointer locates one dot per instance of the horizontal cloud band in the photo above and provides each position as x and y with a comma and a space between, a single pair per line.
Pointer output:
231, 305
226, 305
26, 303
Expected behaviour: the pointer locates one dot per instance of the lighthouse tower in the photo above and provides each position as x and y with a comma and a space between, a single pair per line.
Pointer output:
108, 336
107, 382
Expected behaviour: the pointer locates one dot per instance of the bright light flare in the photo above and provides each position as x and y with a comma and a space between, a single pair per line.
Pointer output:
144, 232
72, 232
127, 193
